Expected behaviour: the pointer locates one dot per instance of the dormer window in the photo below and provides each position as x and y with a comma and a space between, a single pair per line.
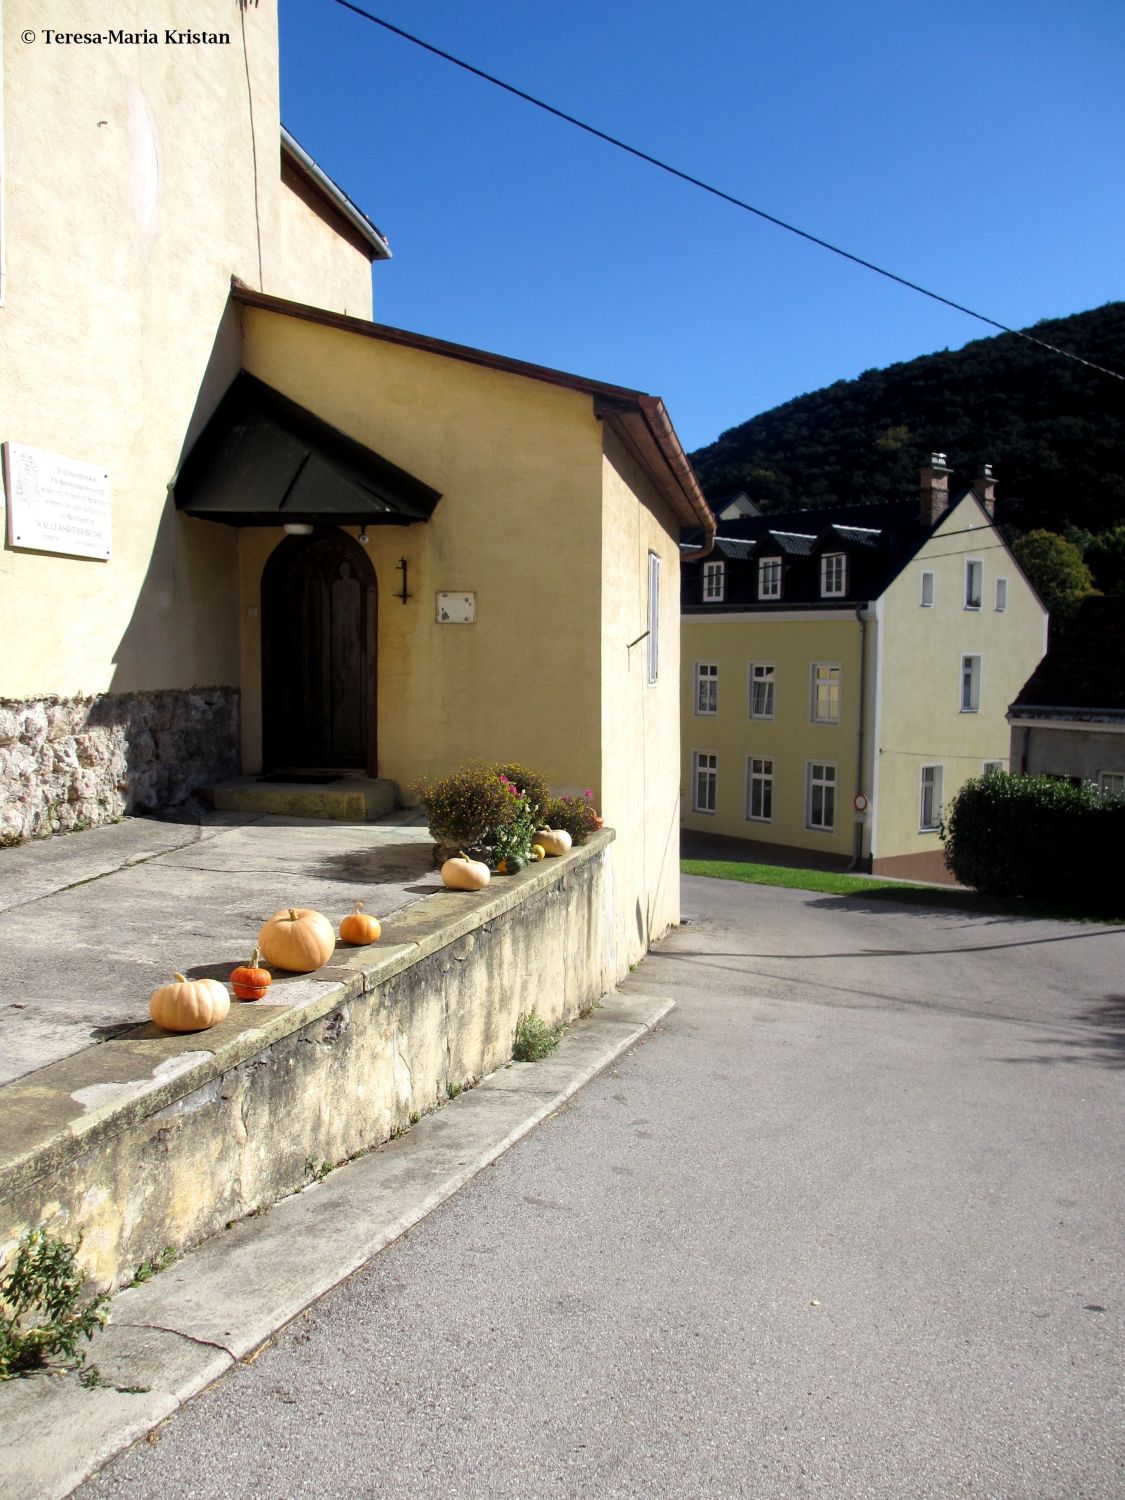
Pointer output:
833, 571
714, 582
769, 578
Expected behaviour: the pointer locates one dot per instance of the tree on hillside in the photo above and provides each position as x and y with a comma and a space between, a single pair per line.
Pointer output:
1105, 556
1056, 569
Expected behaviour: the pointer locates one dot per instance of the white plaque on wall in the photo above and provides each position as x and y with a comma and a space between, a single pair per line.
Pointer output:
456, 609
56, 504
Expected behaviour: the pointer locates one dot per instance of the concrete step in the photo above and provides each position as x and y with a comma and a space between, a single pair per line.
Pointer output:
351, 799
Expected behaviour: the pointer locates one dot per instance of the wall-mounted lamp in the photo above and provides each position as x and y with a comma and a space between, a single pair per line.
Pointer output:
298, 528
363, 536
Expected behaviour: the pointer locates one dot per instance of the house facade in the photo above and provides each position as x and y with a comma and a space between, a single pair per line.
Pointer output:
248, 529
846, 670
1068, 719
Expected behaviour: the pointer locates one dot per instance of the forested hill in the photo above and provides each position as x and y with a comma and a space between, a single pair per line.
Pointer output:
1053, 430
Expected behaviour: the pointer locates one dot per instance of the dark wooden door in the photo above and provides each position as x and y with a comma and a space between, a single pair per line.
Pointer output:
318, 655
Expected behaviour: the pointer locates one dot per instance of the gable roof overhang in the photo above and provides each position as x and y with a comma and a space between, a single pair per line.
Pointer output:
263, 460
640, 421
298, 168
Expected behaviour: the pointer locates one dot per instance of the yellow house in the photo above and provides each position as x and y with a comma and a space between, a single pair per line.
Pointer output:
248, 529
845, 671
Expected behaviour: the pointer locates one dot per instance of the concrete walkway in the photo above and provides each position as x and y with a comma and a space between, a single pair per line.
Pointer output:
847, 1225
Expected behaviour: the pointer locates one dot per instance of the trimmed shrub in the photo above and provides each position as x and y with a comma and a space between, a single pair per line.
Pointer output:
464, 809
1038, 837
577, 815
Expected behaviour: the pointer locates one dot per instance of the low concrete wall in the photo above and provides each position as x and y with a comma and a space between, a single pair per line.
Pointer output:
151, 1140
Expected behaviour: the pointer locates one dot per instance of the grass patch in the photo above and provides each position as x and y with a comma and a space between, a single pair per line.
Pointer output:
836, 883
534, 1038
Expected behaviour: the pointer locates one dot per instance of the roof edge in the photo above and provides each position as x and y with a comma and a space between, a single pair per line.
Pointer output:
335, 194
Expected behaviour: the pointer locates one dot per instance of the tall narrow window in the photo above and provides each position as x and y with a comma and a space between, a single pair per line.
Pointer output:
714, 582
974, 573
769, 578
927, 598
929, 816
759, 789
653, 618
704, 781
832, 575
821, 799
970, 684
761, 690
1001, 593
825, 693
706, 687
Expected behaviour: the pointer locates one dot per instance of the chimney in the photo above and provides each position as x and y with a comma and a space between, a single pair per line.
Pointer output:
985, 486
934, 490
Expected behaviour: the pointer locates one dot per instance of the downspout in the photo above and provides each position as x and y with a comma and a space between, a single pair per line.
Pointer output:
857, 843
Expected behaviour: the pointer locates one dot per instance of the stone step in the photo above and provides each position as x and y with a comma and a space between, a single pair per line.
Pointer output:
351, 799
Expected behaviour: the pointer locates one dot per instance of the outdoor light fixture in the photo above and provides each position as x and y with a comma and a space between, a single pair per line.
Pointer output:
363, 536
298, 528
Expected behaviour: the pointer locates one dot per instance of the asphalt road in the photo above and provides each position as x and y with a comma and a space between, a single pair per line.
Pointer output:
847, 1225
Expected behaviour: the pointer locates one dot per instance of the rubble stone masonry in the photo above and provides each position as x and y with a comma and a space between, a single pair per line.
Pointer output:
70, 763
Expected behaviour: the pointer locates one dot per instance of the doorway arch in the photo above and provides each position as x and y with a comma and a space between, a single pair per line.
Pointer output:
319, 604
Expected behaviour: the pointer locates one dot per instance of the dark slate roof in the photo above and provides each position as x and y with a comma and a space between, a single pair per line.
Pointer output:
1082, 675
792, 543
727, 548
858, 536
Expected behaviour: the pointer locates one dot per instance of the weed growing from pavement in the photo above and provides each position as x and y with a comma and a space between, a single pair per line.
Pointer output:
317, 1170
152, 1265
534, 1038
40, 1318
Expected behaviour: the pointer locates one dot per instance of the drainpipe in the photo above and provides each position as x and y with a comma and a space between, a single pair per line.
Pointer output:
857, 846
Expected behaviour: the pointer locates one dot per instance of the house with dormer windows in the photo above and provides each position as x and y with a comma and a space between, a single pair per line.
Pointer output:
845, 671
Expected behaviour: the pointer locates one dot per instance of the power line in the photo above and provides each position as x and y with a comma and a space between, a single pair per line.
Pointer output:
715, 192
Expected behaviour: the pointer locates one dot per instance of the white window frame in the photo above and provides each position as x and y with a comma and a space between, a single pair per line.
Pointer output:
827, 784
764, 780
831, 682
1001, 594
974, 599
972, 706
769, 684
714, 582
1104, 780
842, 571
930, 790
710, 775
653, 618
923, 601
706, 675
993, 767
773, 565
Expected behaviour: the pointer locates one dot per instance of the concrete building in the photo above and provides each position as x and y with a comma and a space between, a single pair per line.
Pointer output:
846, 670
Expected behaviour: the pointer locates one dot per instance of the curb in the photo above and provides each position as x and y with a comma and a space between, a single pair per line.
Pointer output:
225, 1299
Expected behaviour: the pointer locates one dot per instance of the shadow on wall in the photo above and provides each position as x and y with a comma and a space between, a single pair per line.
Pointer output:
158, 733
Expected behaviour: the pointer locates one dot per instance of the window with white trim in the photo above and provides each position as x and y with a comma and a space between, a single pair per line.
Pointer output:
769, 578
970, 684
825, 693
1111, 783
653, 618
974, 582
820, 800
993, 768
833, 570
706, 687
927, 599
929, 813
704, 781
1001, 593
714, 582
759, 789
761, 689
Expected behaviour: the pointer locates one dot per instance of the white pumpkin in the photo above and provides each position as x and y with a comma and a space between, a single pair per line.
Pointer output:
463, 874
553, 840
189, 1004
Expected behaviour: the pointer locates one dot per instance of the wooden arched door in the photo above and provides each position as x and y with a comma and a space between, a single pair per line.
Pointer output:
318, 655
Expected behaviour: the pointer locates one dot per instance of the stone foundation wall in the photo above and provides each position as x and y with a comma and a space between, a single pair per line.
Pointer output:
69, 763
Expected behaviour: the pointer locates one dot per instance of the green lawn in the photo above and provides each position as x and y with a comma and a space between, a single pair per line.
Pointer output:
831, 883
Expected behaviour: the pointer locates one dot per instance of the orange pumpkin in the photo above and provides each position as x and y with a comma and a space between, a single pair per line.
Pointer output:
248, 981
189, 1004
358, 927
297, 939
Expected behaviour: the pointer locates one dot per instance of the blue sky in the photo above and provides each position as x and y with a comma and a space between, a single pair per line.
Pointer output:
976, 148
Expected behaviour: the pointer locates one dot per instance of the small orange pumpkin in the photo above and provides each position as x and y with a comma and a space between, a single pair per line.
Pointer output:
189, 1004
358, 927
463, 874
248, 981
298, 939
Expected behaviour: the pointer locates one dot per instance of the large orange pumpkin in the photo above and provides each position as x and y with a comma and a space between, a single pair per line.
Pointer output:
189, 1004
298, 939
